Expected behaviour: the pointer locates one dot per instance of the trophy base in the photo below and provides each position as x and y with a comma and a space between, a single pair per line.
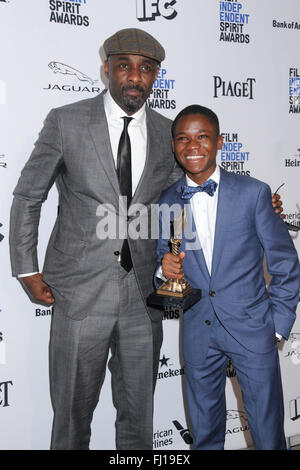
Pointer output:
168, 299
168, 293
175, 288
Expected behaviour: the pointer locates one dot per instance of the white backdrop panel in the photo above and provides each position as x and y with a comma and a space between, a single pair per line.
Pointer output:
248, 80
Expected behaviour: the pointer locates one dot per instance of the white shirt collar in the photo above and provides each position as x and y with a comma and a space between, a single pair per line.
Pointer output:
215, 176
114, 112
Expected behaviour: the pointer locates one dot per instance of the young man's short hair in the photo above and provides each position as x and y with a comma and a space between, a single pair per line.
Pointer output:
197, 109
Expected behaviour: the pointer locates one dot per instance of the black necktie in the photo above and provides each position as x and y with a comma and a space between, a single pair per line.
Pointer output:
124, 175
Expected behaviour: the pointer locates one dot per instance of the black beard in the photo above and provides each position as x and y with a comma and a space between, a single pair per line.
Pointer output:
134, 103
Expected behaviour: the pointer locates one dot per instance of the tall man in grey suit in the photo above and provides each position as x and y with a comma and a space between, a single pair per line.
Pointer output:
99, 285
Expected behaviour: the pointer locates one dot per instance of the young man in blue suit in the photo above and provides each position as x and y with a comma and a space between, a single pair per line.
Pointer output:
237, 318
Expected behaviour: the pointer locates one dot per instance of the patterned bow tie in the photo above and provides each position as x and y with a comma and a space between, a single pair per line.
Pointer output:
208, 187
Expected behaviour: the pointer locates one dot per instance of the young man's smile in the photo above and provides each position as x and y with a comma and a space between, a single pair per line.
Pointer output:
195, 144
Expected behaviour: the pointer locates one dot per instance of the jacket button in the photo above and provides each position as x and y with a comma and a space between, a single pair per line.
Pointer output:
212, 293
116, 253
208, 322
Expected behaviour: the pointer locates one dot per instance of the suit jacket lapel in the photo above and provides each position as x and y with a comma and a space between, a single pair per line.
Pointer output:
198, 254
152, 154
98, 129
224, 214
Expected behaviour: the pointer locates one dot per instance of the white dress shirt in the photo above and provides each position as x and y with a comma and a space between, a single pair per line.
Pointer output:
137, 131
204, 210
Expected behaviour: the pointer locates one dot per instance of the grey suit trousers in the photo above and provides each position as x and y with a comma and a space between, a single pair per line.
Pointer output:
79, 352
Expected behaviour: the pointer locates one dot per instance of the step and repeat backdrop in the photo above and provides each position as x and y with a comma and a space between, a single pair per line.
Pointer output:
238, 57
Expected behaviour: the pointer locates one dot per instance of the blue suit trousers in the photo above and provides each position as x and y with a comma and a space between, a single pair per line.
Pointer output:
260, 381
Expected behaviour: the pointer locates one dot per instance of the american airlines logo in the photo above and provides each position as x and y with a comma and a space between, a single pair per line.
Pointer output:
184, 432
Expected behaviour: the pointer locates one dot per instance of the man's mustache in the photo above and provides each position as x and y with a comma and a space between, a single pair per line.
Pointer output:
133, 87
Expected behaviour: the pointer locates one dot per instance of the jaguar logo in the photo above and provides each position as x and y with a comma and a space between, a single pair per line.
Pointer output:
59, 67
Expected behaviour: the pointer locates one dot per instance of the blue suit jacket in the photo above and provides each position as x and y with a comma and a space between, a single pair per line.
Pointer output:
246, 228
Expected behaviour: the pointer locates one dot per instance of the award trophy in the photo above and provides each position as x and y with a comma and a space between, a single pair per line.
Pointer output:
176, 293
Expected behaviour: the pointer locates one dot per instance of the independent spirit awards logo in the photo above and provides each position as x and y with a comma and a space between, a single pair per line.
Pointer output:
238, 89
234, 157
294, 90
171, 313
161, 96
234, 22
78, 81
149, 10
69, 12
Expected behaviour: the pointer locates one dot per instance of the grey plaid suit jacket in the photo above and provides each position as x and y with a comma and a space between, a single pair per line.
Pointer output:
73, 150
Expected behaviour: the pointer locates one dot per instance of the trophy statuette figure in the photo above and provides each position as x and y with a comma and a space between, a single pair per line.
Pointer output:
176, 293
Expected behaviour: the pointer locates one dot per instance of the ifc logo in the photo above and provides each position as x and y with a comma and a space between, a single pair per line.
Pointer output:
147, 10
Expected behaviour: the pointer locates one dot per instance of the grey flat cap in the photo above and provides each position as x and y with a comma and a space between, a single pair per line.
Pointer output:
134, 41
